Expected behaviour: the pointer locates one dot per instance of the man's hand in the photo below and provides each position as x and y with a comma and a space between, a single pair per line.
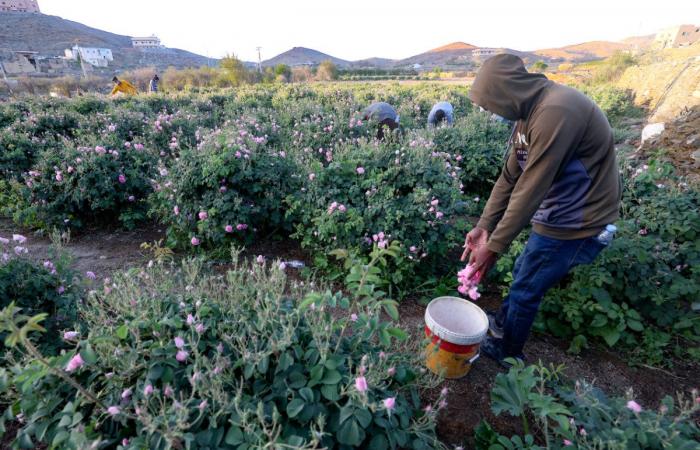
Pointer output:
475, 239
482, 259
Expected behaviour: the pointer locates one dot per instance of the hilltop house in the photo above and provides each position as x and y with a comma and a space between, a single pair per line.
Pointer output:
98, 57
680, 36
484, 53
146, 42
19, 6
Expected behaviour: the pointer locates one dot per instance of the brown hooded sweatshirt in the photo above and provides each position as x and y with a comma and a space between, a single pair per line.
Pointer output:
561, 172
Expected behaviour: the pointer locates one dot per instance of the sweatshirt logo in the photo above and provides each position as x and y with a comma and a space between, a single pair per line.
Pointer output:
520, 139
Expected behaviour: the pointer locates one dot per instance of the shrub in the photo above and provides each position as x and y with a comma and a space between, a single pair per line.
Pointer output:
616, 103
47, 287
231, 187
71, 187
477, 145
583, 417
372, 193
178, 358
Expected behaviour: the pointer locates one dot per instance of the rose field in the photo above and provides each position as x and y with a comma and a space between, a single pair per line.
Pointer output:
249, 268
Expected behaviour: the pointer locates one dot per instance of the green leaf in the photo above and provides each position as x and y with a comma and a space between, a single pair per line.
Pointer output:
611, 335
60, 437
307, 394
398, 333
350, 433
234, 436
330, 392
295, 407
331, 377
88, 355
122, 332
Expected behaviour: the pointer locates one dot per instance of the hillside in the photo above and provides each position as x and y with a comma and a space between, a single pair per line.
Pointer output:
304, 56
51, 35
456, 53
586, 51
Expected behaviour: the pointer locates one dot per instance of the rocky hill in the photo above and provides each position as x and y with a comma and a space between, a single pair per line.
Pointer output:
304, 56
586, 51
51, 35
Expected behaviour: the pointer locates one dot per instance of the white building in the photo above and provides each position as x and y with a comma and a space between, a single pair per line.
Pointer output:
98, 57
680, 36
484, 52
152, 41
19, 6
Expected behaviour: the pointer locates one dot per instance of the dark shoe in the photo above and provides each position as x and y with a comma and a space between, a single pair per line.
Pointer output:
493, 348
494, 330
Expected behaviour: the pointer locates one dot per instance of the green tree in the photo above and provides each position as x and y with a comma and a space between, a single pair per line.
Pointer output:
283, 72
233, 70
539, 66
327, 71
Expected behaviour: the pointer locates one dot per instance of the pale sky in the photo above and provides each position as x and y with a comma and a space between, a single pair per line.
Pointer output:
357, 29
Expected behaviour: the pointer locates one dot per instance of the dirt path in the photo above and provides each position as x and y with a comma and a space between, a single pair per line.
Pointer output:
99, 251
104, 251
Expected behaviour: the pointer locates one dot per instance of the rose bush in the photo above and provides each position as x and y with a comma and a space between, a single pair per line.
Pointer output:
173, 357
373, 192
49, 286
229, 188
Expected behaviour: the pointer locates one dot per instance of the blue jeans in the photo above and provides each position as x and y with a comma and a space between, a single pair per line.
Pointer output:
543, 263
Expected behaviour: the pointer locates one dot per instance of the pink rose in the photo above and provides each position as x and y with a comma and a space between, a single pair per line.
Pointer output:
241, 226
228, 229
568, 443
194, 241
113, 410
176, 210
70, 335
203, 215
361, 384
148, 390
312, 176
360, 170
122, 178
75, 363
181, 355
634, 407
179, 342
353, 317
389, 403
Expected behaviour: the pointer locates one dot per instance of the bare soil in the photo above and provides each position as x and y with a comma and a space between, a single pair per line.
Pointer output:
106, 251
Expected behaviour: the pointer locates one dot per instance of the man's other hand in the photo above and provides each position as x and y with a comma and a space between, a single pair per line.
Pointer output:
475, 239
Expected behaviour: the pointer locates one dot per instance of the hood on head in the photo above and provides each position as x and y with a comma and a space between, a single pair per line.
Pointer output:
503, 86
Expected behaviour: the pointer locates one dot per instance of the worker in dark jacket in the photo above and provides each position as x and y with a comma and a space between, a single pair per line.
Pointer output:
153, 84
561, 175
442, 112
384, 115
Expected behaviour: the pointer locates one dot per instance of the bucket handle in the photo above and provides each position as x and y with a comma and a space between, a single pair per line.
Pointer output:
474, 358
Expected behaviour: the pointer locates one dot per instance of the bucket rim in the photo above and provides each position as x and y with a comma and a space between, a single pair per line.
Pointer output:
450, 336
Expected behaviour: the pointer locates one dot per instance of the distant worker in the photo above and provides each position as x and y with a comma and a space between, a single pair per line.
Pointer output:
153, 84
384, 115
124, 87
441, 112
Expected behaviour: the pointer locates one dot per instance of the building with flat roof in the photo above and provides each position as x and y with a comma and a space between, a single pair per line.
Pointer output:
146, 42
98, 57
680, 36
19, 6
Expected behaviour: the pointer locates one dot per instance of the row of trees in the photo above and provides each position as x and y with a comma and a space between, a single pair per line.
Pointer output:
231, 72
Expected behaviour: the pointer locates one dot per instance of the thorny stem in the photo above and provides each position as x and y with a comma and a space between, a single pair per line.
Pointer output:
37, 354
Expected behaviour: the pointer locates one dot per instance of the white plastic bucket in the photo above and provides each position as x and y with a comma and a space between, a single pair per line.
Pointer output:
455, 327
